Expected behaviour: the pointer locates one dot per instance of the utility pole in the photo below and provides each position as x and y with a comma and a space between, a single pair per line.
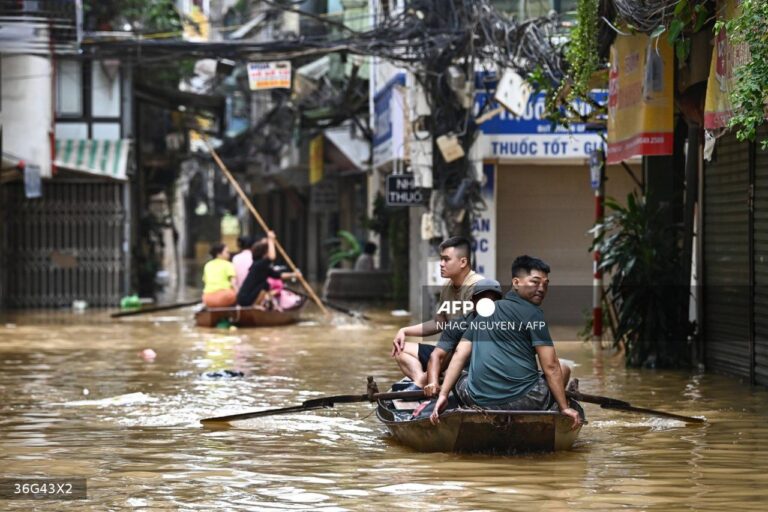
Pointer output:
597, 181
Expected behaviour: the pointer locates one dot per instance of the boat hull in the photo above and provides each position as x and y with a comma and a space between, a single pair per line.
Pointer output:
483, 431
247, 317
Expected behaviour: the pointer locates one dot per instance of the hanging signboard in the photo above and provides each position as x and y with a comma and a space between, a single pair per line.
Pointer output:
324, 196
484, 226
725, 58
269, 75
402, 191
640, 98
316, 159
389, 122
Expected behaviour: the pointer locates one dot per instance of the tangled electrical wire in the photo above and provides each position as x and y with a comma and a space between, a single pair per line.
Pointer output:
426, 31
647, 15
432, 38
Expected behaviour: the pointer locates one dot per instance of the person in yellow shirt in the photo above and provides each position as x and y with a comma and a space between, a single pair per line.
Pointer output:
219, 279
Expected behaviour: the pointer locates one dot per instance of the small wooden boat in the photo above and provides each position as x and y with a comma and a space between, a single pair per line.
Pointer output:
479, 431
253, 316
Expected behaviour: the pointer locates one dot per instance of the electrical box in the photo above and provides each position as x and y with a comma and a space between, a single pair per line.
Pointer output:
450, 147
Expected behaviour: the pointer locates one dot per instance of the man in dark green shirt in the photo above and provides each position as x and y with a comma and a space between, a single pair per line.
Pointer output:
503, 373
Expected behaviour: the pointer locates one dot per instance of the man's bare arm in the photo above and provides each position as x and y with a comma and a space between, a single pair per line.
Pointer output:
424, 329
460, 357
433, 371
550, 365
427, 328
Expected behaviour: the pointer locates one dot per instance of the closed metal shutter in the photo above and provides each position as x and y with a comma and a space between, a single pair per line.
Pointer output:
726, 259
761, 263
550, 218
65, 246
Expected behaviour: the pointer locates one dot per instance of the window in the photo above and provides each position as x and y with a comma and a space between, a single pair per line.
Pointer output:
88, 99
69, 88
71, 130
105, 131
105, 89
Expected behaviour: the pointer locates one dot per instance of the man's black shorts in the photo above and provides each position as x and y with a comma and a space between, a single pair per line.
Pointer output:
425, 350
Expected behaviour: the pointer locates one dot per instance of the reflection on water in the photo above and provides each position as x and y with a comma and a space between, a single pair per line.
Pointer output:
80, 400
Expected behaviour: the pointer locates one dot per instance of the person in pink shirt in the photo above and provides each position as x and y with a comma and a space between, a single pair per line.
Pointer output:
242, 260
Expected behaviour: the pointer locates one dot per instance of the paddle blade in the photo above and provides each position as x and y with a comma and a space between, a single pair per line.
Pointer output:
654, 412
620, 405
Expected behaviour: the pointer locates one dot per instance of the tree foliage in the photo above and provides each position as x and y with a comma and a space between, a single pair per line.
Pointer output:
143, 16
750, 92
582, 51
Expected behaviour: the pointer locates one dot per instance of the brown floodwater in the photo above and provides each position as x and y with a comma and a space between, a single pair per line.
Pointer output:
78, 400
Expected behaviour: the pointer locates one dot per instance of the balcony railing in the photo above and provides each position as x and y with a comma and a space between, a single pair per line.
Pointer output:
38, 26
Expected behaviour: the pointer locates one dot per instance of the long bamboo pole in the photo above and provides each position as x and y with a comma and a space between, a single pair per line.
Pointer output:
264, 226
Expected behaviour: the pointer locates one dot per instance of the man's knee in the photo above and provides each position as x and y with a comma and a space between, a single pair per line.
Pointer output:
408, 354
411, 349
566, 370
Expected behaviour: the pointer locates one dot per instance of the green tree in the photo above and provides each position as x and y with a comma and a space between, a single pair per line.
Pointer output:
750, 93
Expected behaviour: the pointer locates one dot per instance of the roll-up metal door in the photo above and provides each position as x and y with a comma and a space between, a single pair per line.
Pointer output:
761, 262
726, 259
65, 246
551, 220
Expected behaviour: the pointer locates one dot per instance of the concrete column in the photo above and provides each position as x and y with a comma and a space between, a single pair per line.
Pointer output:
419, 251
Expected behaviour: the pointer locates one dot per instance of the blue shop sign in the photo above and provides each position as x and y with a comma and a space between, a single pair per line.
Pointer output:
509, 137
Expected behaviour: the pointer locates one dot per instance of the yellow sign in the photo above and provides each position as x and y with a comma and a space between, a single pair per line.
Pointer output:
640, 98
196, 25
316, 159
725, 58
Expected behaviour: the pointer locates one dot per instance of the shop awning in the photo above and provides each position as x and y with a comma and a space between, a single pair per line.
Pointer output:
106, 158
354, 148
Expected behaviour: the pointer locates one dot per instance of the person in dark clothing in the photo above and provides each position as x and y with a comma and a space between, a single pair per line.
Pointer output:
262, 267
365, 260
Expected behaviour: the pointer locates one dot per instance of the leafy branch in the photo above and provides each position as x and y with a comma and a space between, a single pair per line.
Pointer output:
750, 91
582, 52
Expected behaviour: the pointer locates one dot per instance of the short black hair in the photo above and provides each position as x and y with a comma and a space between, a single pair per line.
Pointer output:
523, 265
460, 243
244, 242
370, 248
217, 249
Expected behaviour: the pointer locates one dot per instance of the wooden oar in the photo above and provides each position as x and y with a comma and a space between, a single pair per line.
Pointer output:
264, 226
349, 312
620, 405
154, 309
317, 403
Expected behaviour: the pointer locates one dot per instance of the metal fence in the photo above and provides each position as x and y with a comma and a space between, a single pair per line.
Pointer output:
64, 247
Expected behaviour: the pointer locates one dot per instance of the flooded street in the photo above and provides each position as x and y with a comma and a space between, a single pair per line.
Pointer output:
80, 401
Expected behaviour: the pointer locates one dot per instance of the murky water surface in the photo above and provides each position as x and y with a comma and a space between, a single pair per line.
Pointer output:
79, 400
